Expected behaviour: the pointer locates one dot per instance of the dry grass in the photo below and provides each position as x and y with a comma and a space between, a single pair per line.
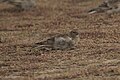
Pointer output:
96, 57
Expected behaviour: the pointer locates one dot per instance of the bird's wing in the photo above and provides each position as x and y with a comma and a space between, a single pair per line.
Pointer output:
60, 40
62, 43
49, 41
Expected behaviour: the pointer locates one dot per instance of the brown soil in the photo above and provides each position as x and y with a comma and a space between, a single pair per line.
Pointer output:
96, 57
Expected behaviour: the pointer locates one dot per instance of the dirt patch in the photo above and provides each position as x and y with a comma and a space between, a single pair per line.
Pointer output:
96, 56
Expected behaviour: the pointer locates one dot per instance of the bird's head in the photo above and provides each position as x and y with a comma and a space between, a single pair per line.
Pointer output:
73, 34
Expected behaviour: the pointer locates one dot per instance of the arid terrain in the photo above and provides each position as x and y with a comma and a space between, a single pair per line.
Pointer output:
96, 56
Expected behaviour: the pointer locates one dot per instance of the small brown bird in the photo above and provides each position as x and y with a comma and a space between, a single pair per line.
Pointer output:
60, 42
108, 6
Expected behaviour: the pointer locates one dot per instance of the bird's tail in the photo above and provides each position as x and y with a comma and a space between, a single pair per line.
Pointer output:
42, 46
41, 43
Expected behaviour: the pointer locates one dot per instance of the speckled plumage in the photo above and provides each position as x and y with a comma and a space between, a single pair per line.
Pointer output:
60, 42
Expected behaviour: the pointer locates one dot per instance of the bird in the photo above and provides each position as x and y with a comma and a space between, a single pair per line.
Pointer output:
59, 42
108, 6
21, 4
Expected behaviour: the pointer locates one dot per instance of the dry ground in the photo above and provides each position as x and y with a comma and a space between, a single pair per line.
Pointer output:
96, 57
